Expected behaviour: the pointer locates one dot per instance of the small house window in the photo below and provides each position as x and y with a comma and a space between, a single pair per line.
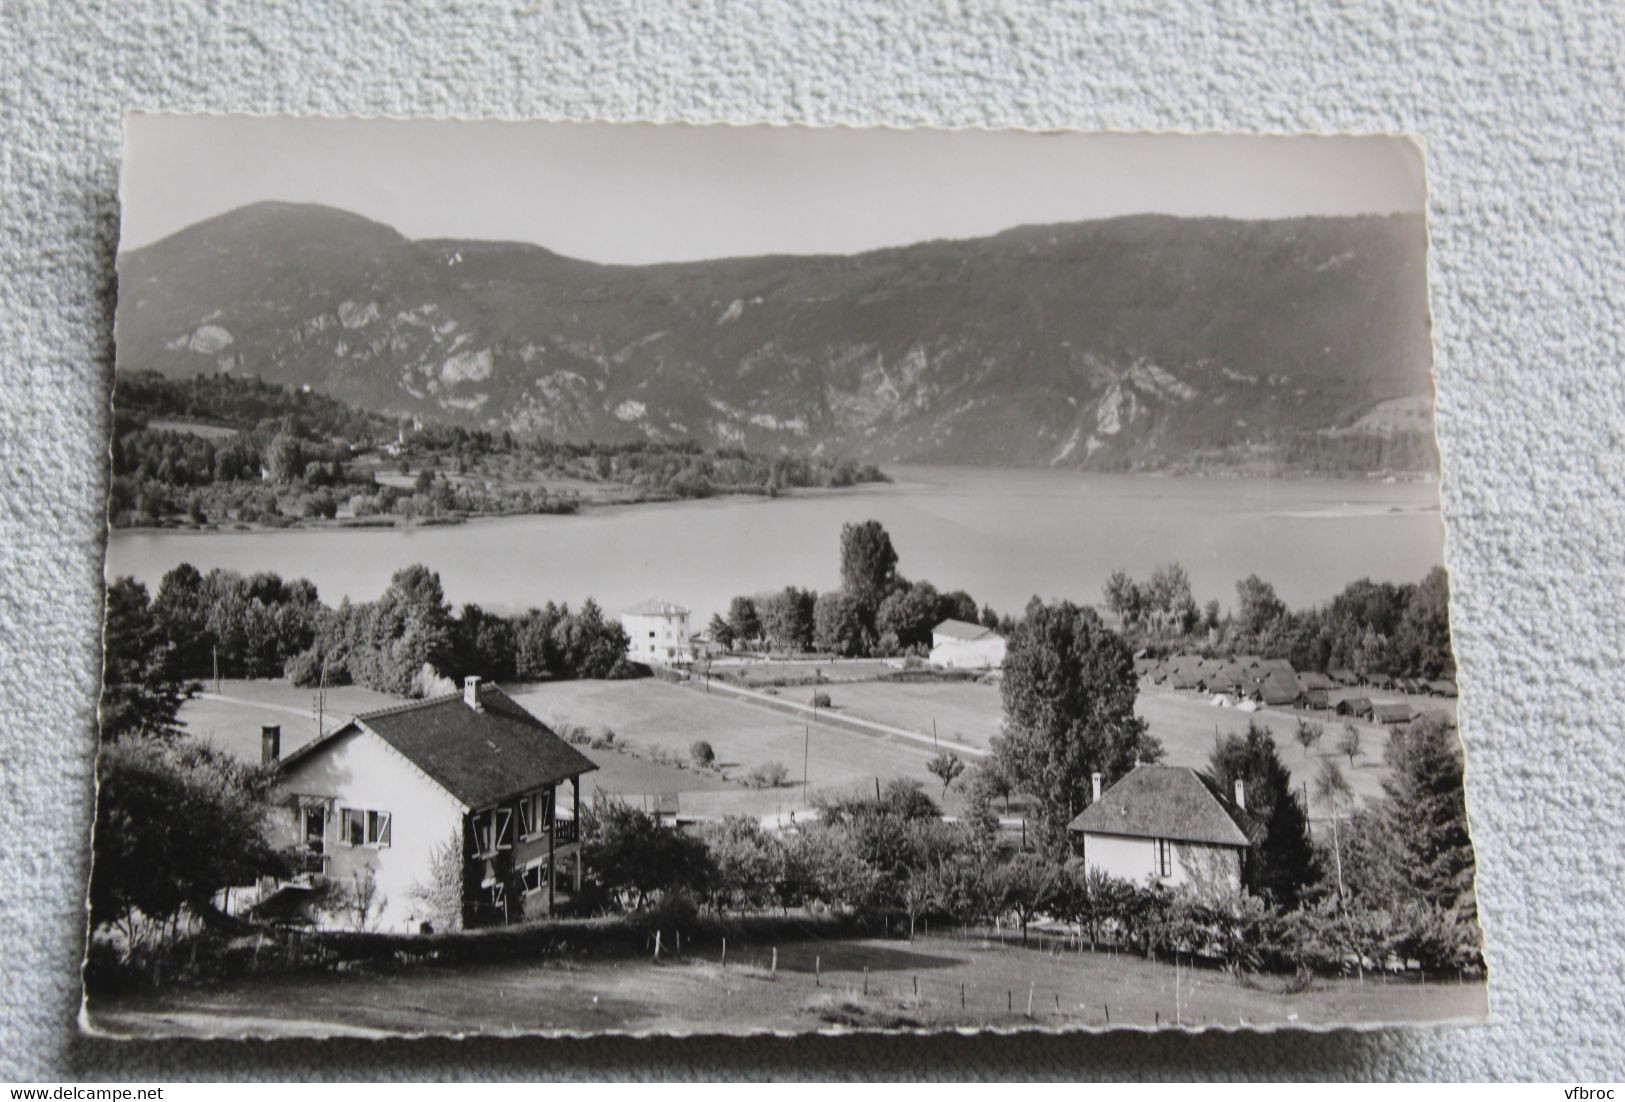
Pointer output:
360, 827
1165, 857
533, 815
494, 829
535, 875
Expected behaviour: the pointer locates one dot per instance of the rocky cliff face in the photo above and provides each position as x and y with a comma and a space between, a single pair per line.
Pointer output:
1135, 343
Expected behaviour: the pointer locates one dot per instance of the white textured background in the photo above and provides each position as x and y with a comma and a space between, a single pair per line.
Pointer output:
1520, 108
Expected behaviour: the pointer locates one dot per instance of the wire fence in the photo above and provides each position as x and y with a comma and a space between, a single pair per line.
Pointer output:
901, 983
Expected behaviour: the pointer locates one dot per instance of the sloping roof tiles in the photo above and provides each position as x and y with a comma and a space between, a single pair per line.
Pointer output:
959, 629
1164, 801
653, 607
480, 757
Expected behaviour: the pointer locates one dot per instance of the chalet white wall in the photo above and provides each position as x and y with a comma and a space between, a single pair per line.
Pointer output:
364, 771
1135, 859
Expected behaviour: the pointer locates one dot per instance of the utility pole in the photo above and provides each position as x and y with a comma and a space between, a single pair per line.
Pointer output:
321, 699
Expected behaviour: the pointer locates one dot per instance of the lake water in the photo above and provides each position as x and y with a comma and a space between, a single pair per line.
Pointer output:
1003, 535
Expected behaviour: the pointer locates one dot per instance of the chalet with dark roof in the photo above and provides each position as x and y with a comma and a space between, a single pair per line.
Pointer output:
468, 789
1164, 824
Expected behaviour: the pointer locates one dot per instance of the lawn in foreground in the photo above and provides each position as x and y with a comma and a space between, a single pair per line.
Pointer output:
819, 984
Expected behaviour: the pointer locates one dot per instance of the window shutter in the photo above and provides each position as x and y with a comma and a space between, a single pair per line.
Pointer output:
504, 828
384, 818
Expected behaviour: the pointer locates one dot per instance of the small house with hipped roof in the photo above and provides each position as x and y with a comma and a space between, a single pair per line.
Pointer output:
1165, 825
466, 794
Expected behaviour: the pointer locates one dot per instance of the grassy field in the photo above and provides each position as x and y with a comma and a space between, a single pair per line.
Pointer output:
645, 714
649, 713
232, 720
818, 985
964, 711
1184, 722
768, 672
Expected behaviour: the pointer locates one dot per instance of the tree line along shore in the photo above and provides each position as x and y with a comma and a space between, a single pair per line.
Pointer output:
225, 451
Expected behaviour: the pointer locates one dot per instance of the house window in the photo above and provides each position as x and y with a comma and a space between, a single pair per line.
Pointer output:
535, 875
494, 829
360, 827
533, 815
1165, 857
313, 828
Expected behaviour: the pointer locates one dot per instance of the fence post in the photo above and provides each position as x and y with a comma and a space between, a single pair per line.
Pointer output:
865, 979
1107, 1008
916, 986
774, 971
961, 996
1031, 987
818, 971
657, 945
724, 952
1009, 1001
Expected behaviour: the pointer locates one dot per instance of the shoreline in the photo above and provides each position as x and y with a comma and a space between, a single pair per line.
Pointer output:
391, 522
899, 478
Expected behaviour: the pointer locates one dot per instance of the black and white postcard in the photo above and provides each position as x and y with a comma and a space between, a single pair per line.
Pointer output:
570, 578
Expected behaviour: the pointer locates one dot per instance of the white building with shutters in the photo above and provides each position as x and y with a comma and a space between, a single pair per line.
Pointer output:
657, 633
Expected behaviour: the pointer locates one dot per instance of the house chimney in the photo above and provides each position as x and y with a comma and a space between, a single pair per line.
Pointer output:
471, 693
270, 744
1094, 779
1241, 794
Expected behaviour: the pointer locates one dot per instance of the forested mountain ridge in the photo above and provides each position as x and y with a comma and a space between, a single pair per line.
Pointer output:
1139, 343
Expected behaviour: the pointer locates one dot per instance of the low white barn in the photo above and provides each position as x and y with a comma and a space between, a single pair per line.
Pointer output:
1163, 824
657, 633
959, 645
